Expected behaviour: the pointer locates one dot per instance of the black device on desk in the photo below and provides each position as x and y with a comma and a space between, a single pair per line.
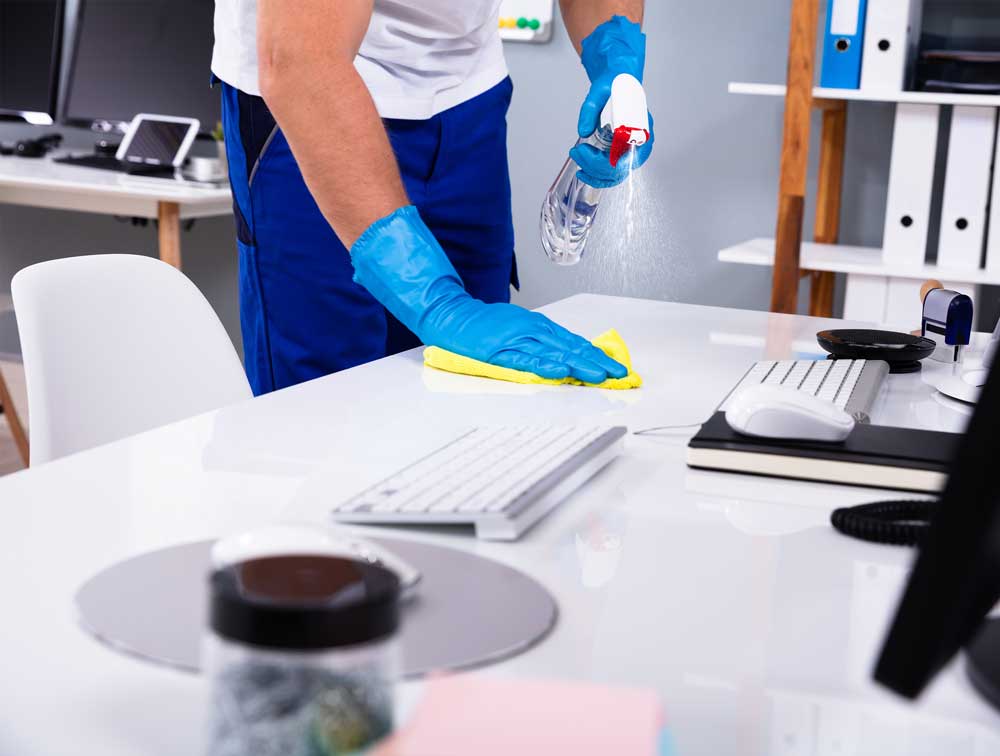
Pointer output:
34, 148
153, 146
902, 351
955, 582
111, 163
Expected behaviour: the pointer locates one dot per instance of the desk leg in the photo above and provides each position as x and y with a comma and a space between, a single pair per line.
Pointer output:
16, 429
169, 219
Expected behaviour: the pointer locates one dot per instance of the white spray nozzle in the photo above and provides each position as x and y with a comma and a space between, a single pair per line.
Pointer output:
626, 115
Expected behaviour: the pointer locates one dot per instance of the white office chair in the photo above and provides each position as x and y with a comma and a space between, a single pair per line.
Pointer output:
115, 345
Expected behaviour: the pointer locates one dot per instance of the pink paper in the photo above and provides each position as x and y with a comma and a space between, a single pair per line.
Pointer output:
474, 715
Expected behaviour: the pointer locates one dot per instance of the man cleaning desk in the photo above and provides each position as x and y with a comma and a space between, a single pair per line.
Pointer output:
367, 155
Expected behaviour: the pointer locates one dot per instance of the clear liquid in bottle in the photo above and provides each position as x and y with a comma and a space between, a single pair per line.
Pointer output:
568, 211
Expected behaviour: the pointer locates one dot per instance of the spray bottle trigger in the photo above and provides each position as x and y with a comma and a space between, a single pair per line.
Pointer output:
624, 138
625, 114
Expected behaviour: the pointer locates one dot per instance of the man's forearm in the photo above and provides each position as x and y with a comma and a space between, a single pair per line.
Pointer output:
326, 113
583, 16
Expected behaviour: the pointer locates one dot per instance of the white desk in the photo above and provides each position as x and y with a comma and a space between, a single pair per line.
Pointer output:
729, 594
40, 182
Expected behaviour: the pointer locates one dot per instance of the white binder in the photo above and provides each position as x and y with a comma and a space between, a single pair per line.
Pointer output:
892, 29
966, 187
911, 184
993, 229
865, 298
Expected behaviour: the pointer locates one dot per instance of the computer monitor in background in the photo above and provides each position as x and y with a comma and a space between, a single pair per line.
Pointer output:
30, 50
956, 578
141, 56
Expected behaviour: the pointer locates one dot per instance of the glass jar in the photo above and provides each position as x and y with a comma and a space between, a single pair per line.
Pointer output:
302, 656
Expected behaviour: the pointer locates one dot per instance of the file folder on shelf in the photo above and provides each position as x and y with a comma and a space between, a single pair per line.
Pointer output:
892, 29
966, 187
993, 228
911, 183
843, 44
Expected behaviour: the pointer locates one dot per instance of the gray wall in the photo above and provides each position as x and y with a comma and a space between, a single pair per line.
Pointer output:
711, 182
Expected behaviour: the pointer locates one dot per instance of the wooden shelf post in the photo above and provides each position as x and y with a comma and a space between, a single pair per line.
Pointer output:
828, 194
794, 155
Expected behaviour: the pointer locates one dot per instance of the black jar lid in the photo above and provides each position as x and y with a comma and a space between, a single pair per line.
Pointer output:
304, 602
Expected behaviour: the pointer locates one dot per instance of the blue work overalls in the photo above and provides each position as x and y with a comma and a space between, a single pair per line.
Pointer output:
301, 314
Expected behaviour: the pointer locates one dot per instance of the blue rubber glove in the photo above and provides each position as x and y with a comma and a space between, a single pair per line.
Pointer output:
401, 263
615, 47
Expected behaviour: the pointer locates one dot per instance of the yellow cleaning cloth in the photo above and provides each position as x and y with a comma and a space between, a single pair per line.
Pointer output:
609, 342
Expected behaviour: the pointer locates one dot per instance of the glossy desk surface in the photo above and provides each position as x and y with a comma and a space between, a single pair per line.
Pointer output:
729, 594
41, 182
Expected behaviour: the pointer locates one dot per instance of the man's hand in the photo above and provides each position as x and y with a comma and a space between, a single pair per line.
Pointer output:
399, 261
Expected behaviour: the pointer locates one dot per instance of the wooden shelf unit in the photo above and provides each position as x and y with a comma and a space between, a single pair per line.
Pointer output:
792, 260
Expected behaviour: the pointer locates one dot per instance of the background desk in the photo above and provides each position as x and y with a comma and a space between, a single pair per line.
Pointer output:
40, 182
729, 594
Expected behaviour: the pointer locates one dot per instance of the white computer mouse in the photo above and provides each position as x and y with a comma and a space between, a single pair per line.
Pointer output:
785, 412
289, 538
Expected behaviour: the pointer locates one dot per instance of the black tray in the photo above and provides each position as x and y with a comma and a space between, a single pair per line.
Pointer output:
902, 351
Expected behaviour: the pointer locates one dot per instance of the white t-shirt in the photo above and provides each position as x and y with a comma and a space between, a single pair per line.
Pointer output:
419, 57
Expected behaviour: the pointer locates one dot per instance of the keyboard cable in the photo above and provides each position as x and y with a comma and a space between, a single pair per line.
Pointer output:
660, 428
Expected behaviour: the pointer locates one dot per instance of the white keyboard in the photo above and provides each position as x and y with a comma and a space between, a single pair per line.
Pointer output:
852, 385
501, 479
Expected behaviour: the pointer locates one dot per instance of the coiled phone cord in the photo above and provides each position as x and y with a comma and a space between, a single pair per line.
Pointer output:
901, 522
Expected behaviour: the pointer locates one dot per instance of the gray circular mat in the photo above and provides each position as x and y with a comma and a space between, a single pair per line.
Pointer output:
466, 610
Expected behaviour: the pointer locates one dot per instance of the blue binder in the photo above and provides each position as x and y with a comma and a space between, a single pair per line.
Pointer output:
843, 44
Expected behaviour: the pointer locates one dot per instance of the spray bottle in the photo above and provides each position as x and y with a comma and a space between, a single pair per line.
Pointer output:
570, 205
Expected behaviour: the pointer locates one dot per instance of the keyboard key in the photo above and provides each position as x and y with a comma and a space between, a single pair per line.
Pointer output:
814, 378
831, 384
797, 374
781, 370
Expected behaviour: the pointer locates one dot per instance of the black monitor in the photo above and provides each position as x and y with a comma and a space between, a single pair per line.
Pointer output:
956, 577
141, 56
30, 50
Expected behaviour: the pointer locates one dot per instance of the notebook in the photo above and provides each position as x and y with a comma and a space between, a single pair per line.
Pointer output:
878, 456
477, 715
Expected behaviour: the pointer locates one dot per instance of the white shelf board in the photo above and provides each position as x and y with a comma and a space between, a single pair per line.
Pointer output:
841, 258
925, 98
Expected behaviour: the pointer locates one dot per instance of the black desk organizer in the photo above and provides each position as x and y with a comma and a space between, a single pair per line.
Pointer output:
902, 351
